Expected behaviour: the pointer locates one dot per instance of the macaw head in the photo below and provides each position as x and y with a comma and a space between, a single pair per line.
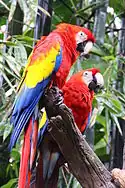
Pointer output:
93, 79
81, 37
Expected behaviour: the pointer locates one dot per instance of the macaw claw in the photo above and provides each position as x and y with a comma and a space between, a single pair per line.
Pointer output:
52, 96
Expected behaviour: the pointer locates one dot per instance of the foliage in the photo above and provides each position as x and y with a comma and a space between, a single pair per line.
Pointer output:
14, 51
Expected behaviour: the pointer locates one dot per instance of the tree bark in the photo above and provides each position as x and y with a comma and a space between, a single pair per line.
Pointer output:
82, 161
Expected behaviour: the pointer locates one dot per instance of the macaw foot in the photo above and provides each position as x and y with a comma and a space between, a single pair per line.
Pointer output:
58, 96
53, 96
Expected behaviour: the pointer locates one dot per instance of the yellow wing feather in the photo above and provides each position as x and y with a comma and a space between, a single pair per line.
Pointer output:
42, 67
43, 120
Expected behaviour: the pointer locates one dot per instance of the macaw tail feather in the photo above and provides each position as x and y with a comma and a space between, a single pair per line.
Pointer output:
46, 173
38, 180
28, 153
23, 173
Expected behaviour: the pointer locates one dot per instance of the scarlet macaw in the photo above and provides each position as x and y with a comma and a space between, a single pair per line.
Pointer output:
78, 93
48, 64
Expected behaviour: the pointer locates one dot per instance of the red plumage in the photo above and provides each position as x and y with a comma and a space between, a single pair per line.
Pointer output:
23, 174
79, 97
28, 152
65, 34
64, 40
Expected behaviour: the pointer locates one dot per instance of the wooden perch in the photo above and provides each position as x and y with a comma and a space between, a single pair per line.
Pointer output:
118, 174
82, 161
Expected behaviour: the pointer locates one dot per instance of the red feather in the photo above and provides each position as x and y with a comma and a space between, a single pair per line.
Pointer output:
78, 97
28, 154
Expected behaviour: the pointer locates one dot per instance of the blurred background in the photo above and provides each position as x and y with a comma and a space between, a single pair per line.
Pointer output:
22, 23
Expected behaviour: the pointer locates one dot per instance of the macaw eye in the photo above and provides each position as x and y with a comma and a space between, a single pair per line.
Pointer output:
81, 33
85, 73
81, 37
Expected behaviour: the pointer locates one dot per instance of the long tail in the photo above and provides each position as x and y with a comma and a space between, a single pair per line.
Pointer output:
28, 153
46, 173
46, 165
47, 170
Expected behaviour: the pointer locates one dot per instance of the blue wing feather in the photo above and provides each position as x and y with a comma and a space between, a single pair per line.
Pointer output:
26, 102
20, 117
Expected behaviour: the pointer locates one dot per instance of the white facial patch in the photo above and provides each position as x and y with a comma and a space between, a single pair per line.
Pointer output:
87, 77
100, 80
81, 37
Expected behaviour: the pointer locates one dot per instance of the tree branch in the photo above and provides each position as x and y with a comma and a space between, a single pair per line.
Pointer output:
82, 161
114, 30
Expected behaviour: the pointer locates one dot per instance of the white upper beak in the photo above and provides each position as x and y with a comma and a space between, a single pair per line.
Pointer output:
87, 48
100, 80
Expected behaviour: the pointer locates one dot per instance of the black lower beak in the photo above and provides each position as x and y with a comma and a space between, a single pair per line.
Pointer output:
81, 46
94, 87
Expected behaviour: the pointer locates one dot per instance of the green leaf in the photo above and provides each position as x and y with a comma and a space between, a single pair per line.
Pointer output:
11, 73
95, 4
8, 43
112, 103
7, 80
101, 119
2, 127
7, 131
97, 51
20, 54
44, 11
23, 5
10, 183
25, 38
120, 95
100, 147
4, 5
35, 7
14, 65
73, 4
15, 154
118, 6
12, 10
99, 132
115, 119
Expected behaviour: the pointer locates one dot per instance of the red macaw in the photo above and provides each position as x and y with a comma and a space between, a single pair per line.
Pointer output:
78, 93
48, 64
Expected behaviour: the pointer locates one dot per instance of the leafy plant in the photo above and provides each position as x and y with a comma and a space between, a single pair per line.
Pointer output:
108, 106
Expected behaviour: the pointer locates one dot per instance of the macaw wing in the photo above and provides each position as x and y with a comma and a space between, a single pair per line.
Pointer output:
42, 126
37, 75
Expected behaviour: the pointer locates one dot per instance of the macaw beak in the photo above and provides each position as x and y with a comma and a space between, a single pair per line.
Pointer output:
97, 83
84, 48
